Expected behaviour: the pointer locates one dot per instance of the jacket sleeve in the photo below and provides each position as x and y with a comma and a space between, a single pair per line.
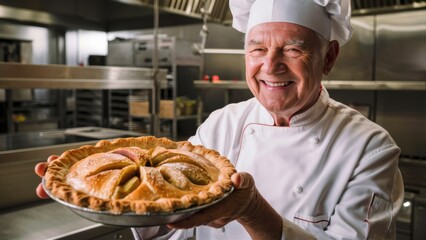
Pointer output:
369, 205
370, 202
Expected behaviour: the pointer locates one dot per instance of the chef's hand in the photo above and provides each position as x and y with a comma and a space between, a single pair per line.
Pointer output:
40, 169
244, 204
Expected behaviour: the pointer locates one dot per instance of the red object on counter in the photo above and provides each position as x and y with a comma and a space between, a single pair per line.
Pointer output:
206, 77
215, 78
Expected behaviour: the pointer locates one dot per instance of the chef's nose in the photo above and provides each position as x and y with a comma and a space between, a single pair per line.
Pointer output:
274, 63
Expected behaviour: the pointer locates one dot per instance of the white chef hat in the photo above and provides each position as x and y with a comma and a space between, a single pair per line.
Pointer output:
330, 18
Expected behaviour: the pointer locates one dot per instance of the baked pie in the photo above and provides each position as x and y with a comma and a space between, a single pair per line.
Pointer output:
140, 175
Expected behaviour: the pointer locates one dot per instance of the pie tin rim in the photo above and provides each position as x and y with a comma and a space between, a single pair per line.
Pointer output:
110, 218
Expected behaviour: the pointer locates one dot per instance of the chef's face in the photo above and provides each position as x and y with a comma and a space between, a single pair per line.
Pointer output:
284, 67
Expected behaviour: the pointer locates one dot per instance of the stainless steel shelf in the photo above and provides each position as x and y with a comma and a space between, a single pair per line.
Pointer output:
16, 76
17, 83
222, 51
375, 85
223, 84
183, 117
329, 84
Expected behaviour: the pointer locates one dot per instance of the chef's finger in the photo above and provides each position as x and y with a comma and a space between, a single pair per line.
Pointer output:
51, 158
242, 180
40, 168
40, 192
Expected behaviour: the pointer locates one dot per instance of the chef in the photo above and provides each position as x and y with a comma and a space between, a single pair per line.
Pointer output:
308, 167
326, 170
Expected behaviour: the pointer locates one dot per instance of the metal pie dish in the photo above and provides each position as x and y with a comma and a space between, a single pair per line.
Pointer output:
130, 219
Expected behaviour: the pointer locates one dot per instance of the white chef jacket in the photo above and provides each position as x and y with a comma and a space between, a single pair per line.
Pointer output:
332, 174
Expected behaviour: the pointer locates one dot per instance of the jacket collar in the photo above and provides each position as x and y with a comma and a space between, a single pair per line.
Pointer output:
304, 118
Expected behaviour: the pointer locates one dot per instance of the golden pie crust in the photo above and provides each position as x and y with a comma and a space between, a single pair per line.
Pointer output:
140, 175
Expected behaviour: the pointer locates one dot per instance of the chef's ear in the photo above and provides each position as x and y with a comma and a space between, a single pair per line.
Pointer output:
330, 56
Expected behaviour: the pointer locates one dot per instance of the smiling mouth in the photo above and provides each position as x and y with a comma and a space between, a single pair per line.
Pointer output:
277, 84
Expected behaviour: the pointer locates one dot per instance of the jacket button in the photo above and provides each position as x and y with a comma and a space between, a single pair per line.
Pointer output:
250, 131
298, 190
315, 140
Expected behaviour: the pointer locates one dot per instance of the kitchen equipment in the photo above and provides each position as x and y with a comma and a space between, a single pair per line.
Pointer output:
412, 217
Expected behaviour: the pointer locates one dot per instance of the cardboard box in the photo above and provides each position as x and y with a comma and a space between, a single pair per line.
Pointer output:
141, 109
167, 109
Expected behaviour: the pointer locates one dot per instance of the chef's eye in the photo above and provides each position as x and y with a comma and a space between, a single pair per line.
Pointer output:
257, 51
292, 52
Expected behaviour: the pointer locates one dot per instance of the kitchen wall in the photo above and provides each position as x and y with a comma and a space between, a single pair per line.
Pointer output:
219, 37
46, 45
385, 47
38, 36
388, 47
80, 44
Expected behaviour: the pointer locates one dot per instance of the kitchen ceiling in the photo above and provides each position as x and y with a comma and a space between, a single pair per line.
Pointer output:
113, 15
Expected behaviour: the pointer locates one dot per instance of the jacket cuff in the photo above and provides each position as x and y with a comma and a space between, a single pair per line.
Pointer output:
294, 231
161, 233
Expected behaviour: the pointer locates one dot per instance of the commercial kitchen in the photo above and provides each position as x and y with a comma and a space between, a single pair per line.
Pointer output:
74, 72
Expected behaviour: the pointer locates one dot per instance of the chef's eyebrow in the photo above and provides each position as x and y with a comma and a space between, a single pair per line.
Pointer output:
254, 42
292, 42
297, 42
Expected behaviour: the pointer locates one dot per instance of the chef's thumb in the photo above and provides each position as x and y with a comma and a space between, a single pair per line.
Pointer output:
242, 180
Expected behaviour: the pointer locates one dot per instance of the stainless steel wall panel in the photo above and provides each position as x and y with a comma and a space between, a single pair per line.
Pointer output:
401, 56
355, 60
401, 46
38, 36
403, 114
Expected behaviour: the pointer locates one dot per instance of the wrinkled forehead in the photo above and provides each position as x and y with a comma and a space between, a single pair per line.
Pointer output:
282, 32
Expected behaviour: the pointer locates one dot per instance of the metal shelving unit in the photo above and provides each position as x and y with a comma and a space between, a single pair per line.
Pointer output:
18, 76
174, 55
93, 107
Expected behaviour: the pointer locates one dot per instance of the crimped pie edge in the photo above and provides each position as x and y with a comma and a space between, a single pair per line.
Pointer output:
55, 178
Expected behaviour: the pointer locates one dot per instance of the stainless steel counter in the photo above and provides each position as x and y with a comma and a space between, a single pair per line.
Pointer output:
16, 141
22, 214
51, 220
19, 153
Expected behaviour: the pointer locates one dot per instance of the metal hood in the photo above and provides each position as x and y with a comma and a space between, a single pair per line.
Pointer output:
363, 7
114, 15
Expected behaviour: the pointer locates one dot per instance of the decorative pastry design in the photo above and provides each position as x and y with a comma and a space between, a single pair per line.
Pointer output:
141, 175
